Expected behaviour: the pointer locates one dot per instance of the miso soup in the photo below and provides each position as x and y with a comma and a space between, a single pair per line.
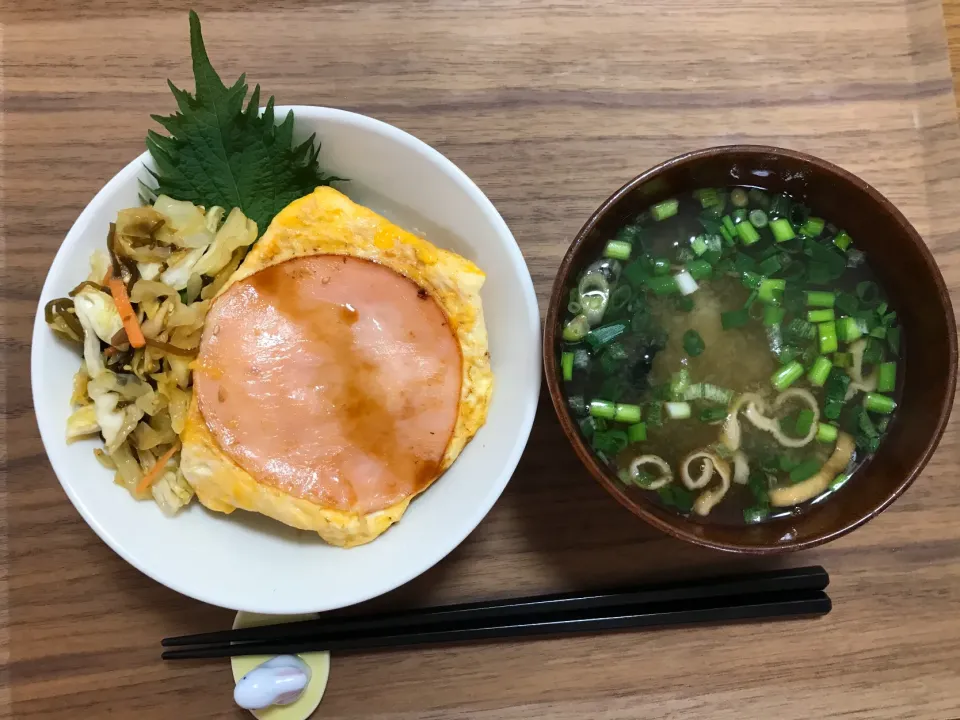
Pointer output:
731, 353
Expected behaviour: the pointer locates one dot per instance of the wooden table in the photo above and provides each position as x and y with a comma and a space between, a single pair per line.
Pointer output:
548, 105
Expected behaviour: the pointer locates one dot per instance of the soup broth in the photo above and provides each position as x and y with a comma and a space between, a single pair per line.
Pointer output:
731, 354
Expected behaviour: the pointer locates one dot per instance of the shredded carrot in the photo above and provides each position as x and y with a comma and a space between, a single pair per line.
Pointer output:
106, 278
129, 317
151, 477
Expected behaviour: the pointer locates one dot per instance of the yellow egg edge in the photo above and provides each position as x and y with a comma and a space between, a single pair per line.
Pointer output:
327, 222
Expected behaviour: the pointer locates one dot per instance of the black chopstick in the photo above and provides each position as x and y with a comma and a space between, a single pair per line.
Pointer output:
785, 580
765, 606
506, 617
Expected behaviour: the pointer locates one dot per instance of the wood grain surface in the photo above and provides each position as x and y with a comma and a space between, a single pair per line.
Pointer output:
548, 105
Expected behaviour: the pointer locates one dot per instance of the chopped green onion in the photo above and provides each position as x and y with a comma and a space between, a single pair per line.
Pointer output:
848, 329
576, 329
574, 307
626, 413
773, 315
757, 218
679, 383
729, 226
768, 289
787, 375
566, 365
618, 250
739, 215
893, 339
842, 240
663, 285
678, 410
828, 337
782, 230
604, 335
748, 233
738, 197
758, 198
726, 235
711, 415
602, 409
751, 299
715, 393
699, 245
806, 469
707, 197
637, 433
820, 370
804, 422
734, 318
751, 280
868, 292
887, 380
693, 343
621, 297
873, 353
840, 480
826, 433
664, 210
699, 269
842, 359
770, 266
754, 515
819, 316
812, 227
875, 402
821, 299
661, 266
780, 206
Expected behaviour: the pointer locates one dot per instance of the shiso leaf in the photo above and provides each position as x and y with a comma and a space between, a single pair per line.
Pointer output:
220, 153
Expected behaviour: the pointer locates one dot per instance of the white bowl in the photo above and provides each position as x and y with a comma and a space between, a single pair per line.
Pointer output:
249, 562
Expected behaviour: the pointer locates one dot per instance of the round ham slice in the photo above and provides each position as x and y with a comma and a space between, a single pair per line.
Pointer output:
331, 378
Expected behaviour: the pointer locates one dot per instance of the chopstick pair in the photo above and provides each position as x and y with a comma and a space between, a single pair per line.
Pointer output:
778, 594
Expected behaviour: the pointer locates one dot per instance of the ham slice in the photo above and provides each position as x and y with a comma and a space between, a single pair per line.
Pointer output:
332, 379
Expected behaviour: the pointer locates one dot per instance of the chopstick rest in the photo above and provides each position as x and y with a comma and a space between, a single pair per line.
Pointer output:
265, 667
278, 681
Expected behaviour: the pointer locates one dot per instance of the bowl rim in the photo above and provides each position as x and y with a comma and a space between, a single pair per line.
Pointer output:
587, 457
529, 315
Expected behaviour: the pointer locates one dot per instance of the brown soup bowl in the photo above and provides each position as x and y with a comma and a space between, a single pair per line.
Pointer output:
904, 267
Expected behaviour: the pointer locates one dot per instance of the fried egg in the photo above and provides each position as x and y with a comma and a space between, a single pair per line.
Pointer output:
343, 368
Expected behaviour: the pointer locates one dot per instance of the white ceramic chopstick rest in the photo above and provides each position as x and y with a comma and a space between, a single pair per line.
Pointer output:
278, 681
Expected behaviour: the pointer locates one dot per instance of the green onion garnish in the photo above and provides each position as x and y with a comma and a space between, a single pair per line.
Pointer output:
729, 226
842, 240
678, 410
826, 433
819, 316
710, 415
637, 433
747, 233
819, 371
757, 218
679, 383
842, 359
848, 329
875, 402
665, 285
734, 318
804, 422
769, 288
754, 515
618, 250
566, 365
773, 315
840, 480
699, 269
738, 197
576, 329
664, 210
626, 413
821, 299
887, 379
806, 469
787, 375
828, 337
693, 343
782, 230
661, 266
812, 227
770, 266
602, 409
